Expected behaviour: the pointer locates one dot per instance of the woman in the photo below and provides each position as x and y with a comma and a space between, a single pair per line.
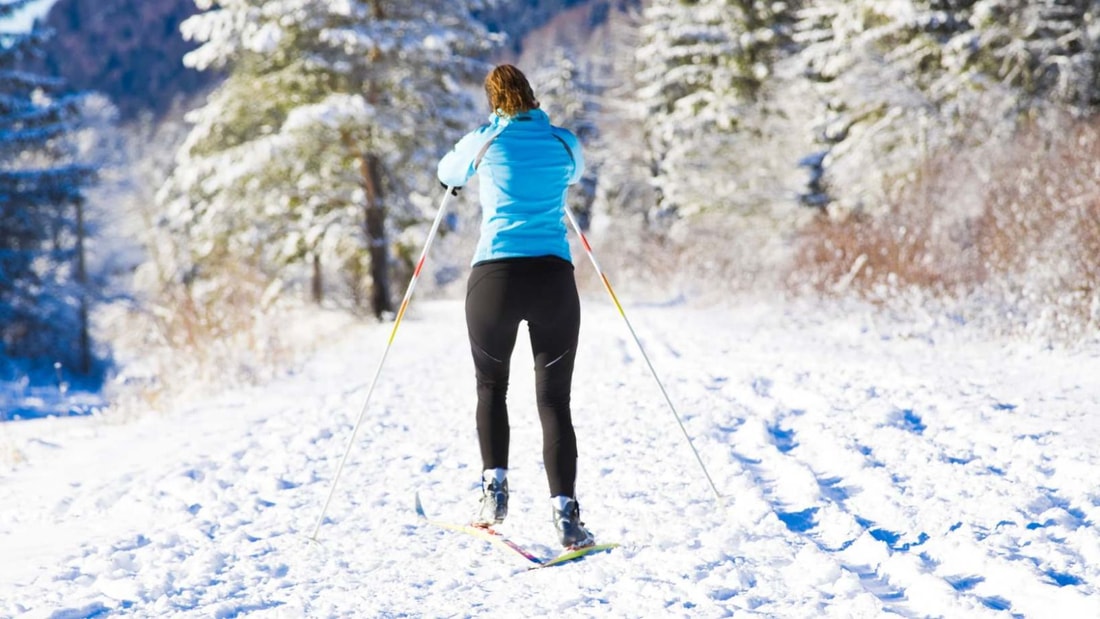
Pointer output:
522, 271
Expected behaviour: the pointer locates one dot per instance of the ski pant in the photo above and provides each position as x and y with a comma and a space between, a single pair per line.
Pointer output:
499, 295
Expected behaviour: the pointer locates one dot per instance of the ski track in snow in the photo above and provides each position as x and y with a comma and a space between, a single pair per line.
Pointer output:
867, 469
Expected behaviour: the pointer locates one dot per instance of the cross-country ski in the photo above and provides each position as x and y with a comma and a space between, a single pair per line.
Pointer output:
500, 541
510, 546
575, 554
482, 533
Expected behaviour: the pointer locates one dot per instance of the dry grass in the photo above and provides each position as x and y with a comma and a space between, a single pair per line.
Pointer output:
196, 339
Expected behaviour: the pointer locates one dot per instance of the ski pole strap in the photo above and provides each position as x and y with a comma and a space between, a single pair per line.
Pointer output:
489, 142
481, 153
485, 147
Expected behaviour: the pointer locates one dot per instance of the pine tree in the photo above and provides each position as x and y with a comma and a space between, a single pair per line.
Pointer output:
703, 63
44, 302
570, 100
900, 78
321, 143
867, 69
1045, 48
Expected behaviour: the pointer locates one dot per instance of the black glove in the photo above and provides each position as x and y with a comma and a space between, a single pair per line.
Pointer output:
454, 190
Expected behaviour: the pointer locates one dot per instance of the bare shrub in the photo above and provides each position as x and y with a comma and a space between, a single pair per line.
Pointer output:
920, 241
1039, 234
871, 256
196, 338
1008, 231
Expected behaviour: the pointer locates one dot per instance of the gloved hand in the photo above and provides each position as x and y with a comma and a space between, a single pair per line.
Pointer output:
454, 190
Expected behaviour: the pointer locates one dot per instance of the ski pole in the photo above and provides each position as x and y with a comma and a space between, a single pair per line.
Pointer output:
382, 360
615, 300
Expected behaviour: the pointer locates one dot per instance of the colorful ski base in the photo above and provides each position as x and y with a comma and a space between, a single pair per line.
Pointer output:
486, 534
574, 555
503, 543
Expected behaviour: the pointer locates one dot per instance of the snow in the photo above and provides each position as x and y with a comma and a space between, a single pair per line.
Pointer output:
869, 465
23, 20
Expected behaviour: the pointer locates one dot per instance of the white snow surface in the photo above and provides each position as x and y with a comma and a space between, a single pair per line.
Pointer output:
868, 466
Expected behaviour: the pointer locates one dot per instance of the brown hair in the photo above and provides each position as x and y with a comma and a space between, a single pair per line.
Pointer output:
508, 91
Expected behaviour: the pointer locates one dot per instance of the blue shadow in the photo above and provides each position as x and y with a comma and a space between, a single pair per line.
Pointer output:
912, 422
783, 439
965, 583
1063, 579
798, 522
996, 603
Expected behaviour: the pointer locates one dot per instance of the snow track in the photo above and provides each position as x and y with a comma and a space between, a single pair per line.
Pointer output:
867, 469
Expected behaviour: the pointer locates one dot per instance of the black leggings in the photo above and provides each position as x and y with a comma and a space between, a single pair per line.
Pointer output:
499, 295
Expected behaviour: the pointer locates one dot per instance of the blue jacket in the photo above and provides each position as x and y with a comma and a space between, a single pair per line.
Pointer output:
525, 173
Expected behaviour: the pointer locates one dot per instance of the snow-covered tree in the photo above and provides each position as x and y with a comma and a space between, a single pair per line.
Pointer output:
1043, 48
867, 68
321, 143
570, 99
702, 63
899, 78
44, 302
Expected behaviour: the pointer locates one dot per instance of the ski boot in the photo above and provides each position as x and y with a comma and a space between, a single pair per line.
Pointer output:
494, 499
567, 520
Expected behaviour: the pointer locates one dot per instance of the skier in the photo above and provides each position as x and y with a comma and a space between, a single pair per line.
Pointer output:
522, 271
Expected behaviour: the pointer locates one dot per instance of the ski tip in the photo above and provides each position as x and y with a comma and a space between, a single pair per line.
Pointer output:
570, 555
419, 506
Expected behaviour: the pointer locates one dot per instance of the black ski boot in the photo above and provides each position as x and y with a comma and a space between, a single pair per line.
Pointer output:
567, 519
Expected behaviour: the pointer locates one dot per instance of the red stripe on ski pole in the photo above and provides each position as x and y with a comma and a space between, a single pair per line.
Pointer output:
584, 241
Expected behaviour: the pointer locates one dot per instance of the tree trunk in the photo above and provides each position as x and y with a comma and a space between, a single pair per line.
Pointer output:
317, 284
378, 246
370, 170
82, 281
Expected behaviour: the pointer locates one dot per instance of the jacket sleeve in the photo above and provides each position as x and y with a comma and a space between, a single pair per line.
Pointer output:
575, 150
457, 166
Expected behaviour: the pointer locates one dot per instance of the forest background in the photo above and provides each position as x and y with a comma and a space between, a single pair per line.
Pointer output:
181, 179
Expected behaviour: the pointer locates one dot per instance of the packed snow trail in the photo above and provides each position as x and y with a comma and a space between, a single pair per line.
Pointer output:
868, 468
